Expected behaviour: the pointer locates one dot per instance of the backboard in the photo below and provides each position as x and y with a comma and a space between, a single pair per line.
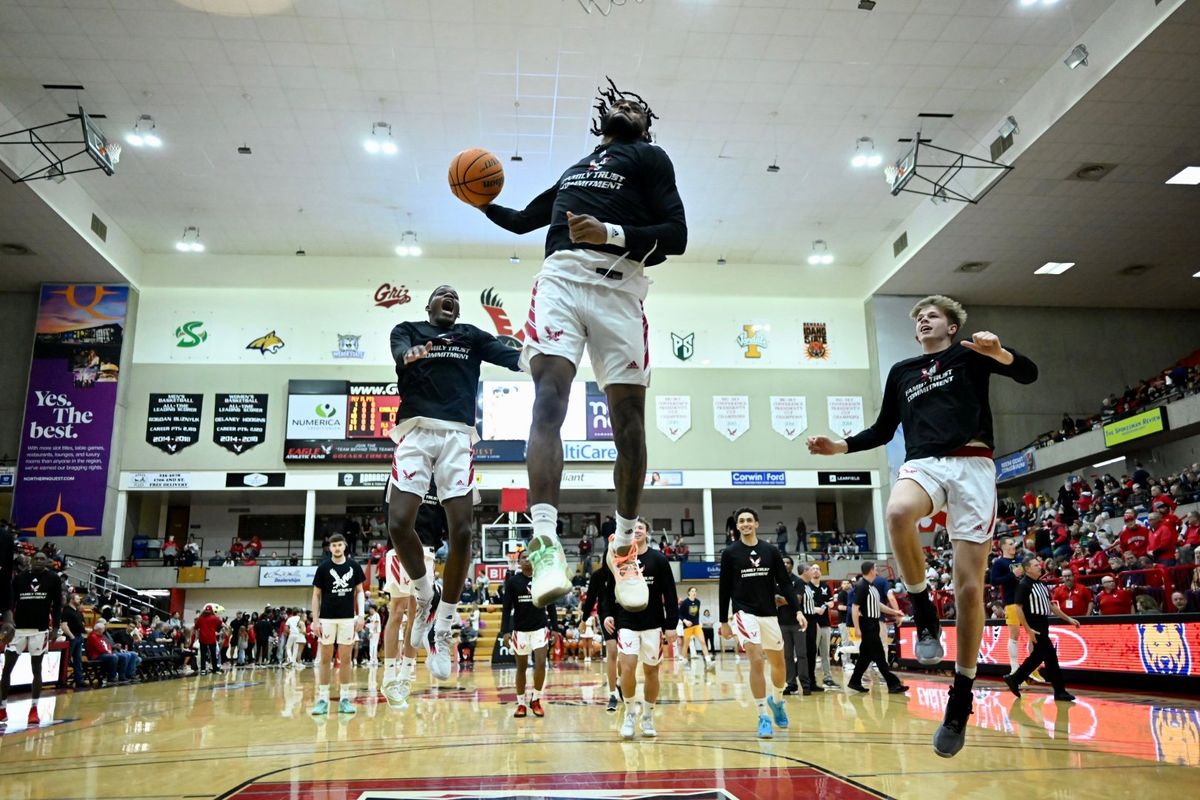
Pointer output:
104, 153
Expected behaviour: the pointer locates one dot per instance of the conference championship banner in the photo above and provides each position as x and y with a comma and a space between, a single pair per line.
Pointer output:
62, 467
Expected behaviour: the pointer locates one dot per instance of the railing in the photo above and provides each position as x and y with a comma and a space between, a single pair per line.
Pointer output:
1158, 582
107, 589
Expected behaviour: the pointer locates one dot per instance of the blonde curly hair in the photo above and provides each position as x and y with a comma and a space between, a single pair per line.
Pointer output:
947, 305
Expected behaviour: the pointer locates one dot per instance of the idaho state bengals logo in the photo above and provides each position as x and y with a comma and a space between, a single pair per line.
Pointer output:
1176, 734
1164, 649
495, 308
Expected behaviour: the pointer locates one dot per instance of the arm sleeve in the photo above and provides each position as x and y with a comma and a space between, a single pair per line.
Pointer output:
886, 423
493, 351
506, 613
670, 596
1021, 370
725, 586
590, 601
669, 237
535, 215
401, 342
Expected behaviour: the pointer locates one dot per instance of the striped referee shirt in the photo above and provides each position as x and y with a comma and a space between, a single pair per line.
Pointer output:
806, 601
1034, 598
866, 597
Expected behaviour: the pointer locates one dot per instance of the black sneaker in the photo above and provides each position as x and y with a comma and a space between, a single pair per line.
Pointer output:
951, 735
1064, 697
1013, 685
829, 682
857, 687
791, 689
814, 687
929, 650
899, 688
612, 704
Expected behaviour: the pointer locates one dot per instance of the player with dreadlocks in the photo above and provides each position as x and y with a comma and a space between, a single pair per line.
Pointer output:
613, 213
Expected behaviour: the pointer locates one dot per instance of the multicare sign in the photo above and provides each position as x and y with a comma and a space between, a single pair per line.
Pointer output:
62, 468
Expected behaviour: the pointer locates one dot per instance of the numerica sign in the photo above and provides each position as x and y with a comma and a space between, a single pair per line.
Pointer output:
387, 295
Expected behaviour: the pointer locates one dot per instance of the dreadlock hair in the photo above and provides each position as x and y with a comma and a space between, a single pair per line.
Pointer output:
606, 98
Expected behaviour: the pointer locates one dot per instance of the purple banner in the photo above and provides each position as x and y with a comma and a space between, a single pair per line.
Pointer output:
62, 470
599, 423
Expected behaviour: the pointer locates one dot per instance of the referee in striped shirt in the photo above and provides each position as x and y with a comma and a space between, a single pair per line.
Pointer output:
865, 615
1034, 608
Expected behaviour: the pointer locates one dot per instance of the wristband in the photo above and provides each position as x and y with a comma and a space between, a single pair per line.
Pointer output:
616, 234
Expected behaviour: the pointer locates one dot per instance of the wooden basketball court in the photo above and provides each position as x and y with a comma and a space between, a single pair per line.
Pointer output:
248, 734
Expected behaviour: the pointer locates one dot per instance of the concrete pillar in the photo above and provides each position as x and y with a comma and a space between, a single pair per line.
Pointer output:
881, 544
120, 512
710, 549
310, 521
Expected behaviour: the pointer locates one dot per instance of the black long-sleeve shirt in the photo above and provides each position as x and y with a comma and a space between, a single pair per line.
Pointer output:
37, 600
786, 614
599, 594
942, 401
519, 612
442, 385
631, 184
750, 579
662, 609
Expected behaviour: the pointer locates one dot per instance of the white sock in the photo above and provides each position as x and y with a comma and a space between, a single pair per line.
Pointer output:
446, 612
390, 667
777, 696
537, 694
966, 672
648, 709
545, 520
1013, 660
323, 693
762, 705
408, 662
613, 693
916, 588
624, 534
346, 691
423, 586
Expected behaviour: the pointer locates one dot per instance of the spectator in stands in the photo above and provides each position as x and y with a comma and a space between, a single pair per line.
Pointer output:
1180, 603
1074, 599
681, 548
1134, 537
75, 630
217, 559
1113, 600
1164, 539
122, 666
208, 627
468, 638
254, 545
781, 537
170, 550
1145, 604
274, 560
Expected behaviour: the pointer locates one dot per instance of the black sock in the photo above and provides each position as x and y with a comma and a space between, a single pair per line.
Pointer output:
963, 684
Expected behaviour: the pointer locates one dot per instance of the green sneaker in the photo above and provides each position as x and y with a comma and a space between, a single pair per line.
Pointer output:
320, 709
346, 706
550, 580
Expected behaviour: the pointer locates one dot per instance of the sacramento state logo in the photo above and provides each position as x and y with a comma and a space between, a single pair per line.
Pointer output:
1164, 649
684, 347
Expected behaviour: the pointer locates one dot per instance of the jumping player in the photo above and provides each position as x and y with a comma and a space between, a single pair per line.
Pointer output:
437, 372
37, 612
338, 610
640, 633
941, 397
612, 214
525, 631
752, 573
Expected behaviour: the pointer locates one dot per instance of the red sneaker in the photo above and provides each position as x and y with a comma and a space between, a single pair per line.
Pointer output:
536, 708
3, 716
33, 717
521, 710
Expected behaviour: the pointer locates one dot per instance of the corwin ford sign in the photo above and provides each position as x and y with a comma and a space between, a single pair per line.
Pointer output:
758, 477
590, 451
286, 576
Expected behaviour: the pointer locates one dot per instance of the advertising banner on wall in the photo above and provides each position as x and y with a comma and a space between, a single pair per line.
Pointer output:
173, 421
240, 421
62, 467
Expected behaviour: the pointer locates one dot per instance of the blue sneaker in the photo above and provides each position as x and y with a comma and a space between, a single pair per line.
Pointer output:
765, 731
320, 709
345, 706
776, 706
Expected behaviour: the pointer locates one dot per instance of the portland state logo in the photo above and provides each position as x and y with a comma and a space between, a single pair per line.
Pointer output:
684, 347
191, 334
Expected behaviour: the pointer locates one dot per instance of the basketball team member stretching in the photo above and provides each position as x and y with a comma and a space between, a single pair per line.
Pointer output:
612, 214
437, 372
752, 573
525, 631
640, 633
941, 397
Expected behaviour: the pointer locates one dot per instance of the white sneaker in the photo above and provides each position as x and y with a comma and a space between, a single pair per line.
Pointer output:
648, 727
423, 620
710, 665
438, 658
631, 591
396, 693
627, 725
550, 580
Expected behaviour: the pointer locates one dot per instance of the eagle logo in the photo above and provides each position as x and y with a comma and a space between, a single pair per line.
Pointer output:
927, 374
269, 343
494, 306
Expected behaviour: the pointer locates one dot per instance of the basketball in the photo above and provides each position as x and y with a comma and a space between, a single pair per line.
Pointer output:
476, 176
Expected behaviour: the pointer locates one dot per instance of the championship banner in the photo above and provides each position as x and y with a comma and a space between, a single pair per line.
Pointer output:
789, 416
731, 415
62, 467
673, 415
845, 415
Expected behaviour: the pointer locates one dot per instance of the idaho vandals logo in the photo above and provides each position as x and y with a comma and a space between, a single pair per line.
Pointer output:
684, 347
348, 346
270, 343
754, 339
191, 334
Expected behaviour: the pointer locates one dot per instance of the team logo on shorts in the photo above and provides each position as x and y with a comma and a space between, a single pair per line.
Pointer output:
552, 335
754, 339
684, 347
408, 476
268, 343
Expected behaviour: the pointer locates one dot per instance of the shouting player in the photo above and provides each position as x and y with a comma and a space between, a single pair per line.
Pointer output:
941, 398
613, 213
437, 373
752, 573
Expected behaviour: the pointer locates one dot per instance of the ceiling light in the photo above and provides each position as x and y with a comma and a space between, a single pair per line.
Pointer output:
864, 153
721, 261
1109, 461
144, 133
1197, 275
820, 253
408, 245
380, 140
190, 242
1028, 3
1054, 268
1077, 57
866, 5
1188, 176
773, 168
514, 258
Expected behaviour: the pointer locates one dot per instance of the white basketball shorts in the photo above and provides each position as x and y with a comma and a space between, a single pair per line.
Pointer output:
445, 457
965, 486
337, 631
396, 581
763, 631
646, 645
525, 642
30, 641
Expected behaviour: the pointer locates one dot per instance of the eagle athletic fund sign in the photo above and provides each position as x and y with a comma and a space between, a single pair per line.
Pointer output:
66, 442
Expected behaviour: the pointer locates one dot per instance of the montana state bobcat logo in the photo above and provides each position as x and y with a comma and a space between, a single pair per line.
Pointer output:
270, 343
1164, 649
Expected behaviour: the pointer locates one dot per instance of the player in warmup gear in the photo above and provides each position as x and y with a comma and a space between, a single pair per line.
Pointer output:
37, 614
338, 606
613, 213
941, 397
374, 629
1006, 572
689, 613
599, 588
866, 613
1034, 608
752, 573
524, 627
640, 633
437, 373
